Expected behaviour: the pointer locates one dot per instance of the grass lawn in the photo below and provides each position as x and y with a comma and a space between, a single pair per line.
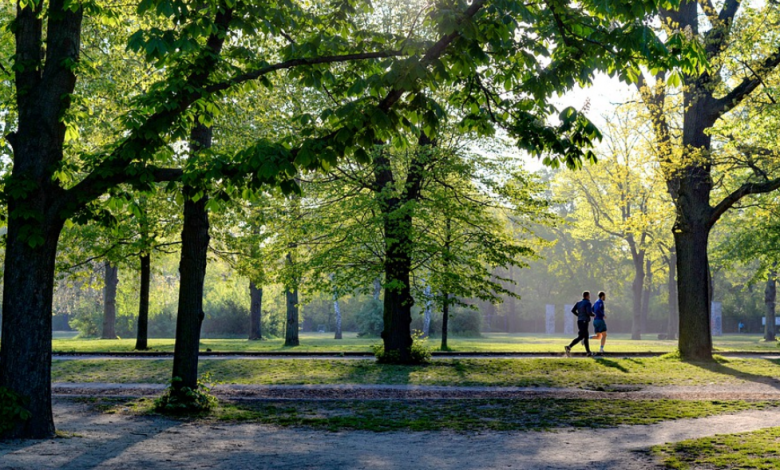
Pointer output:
489, 342
586, 373
758, 450
458, 415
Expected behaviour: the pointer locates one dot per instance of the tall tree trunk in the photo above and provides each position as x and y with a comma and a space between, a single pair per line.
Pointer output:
693, 293
636, 290
142, 336
770, 295
672, 288
110, 281
291, 332
192, 271
255, 311
25, 352
397, 223
445, 320
648, 291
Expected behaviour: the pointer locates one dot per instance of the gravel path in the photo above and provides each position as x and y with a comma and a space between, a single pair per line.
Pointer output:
745, 391
368, 356
115, 442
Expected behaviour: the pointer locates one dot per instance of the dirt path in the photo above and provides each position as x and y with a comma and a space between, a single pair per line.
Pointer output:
745, 391
126, 442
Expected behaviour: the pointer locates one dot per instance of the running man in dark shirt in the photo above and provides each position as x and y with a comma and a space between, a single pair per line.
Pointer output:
599, 323
583, 310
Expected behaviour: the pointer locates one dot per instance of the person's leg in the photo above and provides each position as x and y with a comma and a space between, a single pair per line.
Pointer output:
585, 339
603, 339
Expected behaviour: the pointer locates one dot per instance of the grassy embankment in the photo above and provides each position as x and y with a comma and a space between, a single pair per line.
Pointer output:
759, 450
585, 373
489, 342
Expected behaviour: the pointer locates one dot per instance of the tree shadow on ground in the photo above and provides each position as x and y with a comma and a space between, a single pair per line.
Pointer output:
721, 367
612, 364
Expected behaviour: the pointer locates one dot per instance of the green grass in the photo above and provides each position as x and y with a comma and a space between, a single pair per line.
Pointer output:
758, 450
586, 373
490, 342
456, 415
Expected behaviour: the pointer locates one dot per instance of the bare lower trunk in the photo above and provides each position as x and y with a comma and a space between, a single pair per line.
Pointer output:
672, 287
110, 281
25, 352
142, 338
694, 293
255, 311
770, 295
646, 293
291, 332
445, 320
192, 271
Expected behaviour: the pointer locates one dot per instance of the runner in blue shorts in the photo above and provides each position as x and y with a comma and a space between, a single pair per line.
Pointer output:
599, 324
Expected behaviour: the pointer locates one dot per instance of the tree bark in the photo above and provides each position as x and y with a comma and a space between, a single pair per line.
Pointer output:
647, 292
770, 295
44, 83
142, 332
672, 288
192, 271
291, 332
693, 293
25, 352
110, 281
377, 288
255, 311
445, 320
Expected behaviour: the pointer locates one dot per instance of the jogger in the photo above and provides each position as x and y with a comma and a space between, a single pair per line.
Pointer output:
599, 323
583, 310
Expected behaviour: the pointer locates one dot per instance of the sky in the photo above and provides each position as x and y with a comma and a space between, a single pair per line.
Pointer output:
605, 94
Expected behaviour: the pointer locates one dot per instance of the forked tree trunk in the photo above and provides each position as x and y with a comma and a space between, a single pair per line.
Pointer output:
110, 281
255, 311
142, 332
192, 271
770, 295
291, 331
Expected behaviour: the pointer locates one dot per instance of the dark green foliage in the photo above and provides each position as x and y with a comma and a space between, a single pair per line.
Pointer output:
12, 410
369, 318
186, 400
419, 352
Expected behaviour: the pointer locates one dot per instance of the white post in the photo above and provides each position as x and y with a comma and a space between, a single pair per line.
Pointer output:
568, 320
716, 319
550, 319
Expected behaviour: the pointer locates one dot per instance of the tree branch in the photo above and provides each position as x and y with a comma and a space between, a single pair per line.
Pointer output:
741, 91
744, 190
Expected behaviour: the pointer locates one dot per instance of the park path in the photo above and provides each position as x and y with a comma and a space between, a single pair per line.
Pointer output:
113, 442
769, 390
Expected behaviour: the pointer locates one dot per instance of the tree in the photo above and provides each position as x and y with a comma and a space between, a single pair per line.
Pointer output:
740, 61
752, 241
622, 198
